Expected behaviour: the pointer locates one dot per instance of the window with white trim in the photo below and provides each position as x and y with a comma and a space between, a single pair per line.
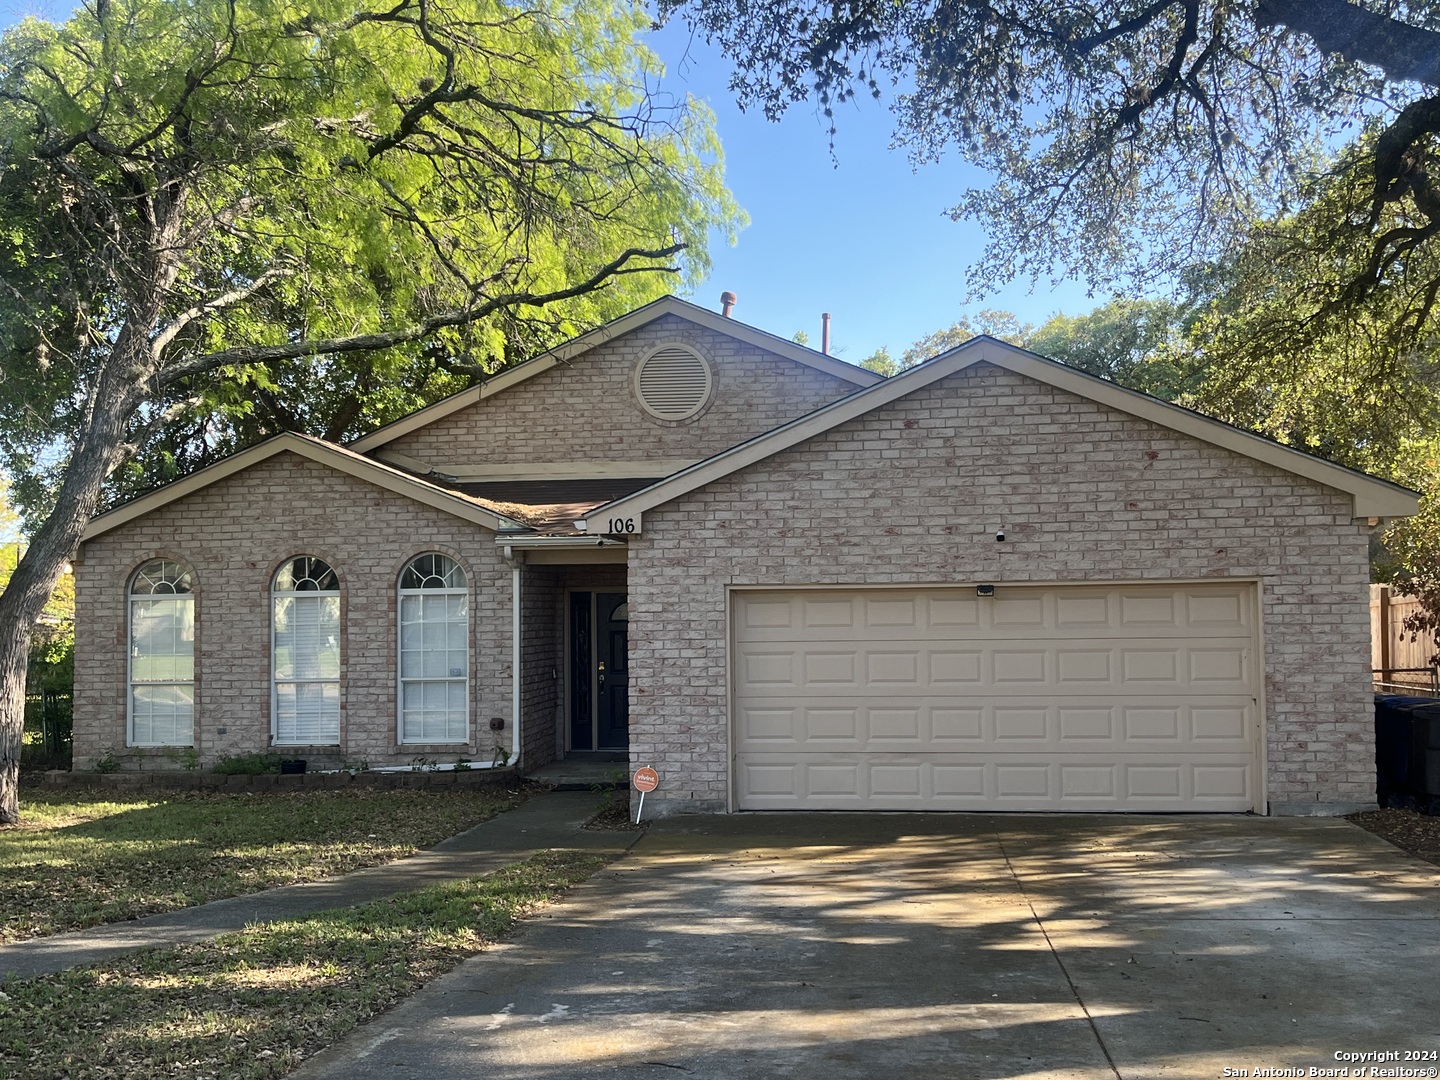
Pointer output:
162, 655
434, 651
305, 653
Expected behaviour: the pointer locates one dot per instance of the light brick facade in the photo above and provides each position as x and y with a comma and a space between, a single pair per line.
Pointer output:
587, 410
233, 535
915, 491
911, 492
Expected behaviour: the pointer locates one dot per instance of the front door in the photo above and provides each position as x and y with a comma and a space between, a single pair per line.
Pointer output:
599, 672
612, 675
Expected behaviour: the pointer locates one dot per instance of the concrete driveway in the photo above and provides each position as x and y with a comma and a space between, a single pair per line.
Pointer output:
911, 945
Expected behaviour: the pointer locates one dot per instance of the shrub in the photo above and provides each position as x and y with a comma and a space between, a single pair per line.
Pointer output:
247, 764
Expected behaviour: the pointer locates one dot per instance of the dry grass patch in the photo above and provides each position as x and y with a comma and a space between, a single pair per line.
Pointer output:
80, 860
255, 1004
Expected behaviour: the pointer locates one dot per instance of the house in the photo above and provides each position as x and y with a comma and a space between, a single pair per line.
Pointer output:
991, 582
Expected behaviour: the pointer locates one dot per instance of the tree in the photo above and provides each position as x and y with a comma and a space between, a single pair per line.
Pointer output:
1354, 382
1140, 344
999, 324
1129, 139
207, 202
1137, 343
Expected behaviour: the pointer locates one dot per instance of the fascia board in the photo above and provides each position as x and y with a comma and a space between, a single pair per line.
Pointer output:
656, 309
1372, 497
351, 464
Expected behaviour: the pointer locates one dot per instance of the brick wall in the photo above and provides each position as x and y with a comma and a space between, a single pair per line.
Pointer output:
542, 657
233, 535
587, 410
914, 493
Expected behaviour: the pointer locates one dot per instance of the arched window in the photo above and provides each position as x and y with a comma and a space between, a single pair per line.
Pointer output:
162, 655
305, 651
434, 652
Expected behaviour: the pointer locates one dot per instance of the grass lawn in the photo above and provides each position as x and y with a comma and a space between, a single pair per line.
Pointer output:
79, 860
256, 1003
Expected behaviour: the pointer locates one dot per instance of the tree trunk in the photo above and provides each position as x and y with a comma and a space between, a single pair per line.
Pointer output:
14, 654
96, 452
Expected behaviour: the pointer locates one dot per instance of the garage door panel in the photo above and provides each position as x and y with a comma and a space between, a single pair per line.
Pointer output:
1083, 697
1179, 611
942, 724
988, 782
1091, 668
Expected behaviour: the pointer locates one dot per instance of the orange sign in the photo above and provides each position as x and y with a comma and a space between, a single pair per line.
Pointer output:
646, 779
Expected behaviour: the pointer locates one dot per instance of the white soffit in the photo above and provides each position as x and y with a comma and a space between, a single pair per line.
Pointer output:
323, 453
1373, 497
666, 305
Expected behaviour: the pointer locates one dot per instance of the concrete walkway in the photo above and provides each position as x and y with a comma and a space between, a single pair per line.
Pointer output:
550, 820
851, 947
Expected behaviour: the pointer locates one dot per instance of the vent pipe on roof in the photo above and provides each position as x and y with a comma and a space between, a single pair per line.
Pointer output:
825, 333
727, 302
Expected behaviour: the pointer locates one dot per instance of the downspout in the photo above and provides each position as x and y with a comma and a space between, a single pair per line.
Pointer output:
512, 561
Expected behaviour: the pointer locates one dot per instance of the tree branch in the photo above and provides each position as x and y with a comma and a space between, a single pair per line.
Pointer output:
1403, 51
266, 354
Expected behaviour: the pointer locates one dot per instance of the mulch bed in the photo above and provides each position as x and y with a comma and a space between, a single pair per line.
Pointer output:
616, 814
1418, 834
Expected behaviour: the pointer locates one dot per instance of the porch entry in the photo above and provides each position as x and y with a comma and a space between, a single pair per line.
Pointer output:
599, 672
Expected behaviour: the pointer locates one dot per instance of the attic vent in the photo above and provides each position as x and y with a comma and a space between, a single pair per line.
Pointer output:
673, 383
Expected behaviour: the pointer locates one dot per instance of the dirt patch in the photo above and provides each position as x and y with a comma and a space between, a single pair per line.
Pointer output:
1419, 834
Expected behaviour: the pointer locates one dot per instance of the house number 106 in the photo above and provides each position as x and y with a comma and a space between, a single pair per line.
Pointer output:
620, 525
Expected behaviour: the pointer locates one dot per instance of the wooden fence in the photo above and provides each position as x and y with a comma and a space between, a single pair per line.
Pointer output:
1403, 662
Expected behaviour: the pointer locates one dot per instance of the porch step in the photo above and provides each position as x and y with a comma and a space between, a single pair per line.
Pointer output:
582, 775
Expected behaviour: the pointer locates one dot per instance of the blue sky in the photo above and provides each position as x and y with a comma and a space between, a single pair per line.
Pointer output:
861, 234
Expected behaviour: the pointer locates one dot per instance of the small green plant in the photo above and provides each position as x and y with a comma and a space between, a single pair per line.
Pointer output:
501, 758
107, 763
247, 764
462, 764
354, 767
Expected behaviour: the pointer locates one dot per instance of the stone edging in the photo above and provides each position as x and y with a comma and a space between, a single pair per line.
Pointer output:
207, 781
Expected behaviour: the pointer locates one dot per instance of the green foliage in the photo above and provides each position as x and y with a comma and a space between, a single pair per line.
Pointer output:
246, 764
998, 324
1136, 343
1287, 349
206, 188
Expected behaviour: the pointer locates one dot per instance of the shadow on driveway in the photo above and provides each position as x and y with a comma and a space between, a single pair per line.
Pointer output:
916, 945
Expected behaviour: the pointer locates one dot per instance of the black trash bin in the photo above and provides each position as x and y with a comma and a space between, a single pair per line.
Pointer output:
1395, 749
1425, 757
1407, 752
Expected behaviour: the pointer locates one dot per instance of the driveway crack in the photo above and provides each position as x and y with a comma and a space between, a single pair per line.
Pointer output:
1059, 961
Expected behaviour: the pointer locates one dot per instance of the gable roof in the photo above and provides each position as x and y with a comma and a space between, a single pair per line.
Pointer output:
323, 453
577, 346
1372, 496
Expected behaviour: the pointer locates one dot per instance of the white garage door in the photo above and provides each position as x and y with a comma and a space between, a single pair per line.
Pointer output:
1037, 698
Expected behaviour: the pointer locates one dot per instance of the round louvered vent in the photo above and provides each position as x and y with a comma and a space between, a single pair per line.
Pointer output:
673, 383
